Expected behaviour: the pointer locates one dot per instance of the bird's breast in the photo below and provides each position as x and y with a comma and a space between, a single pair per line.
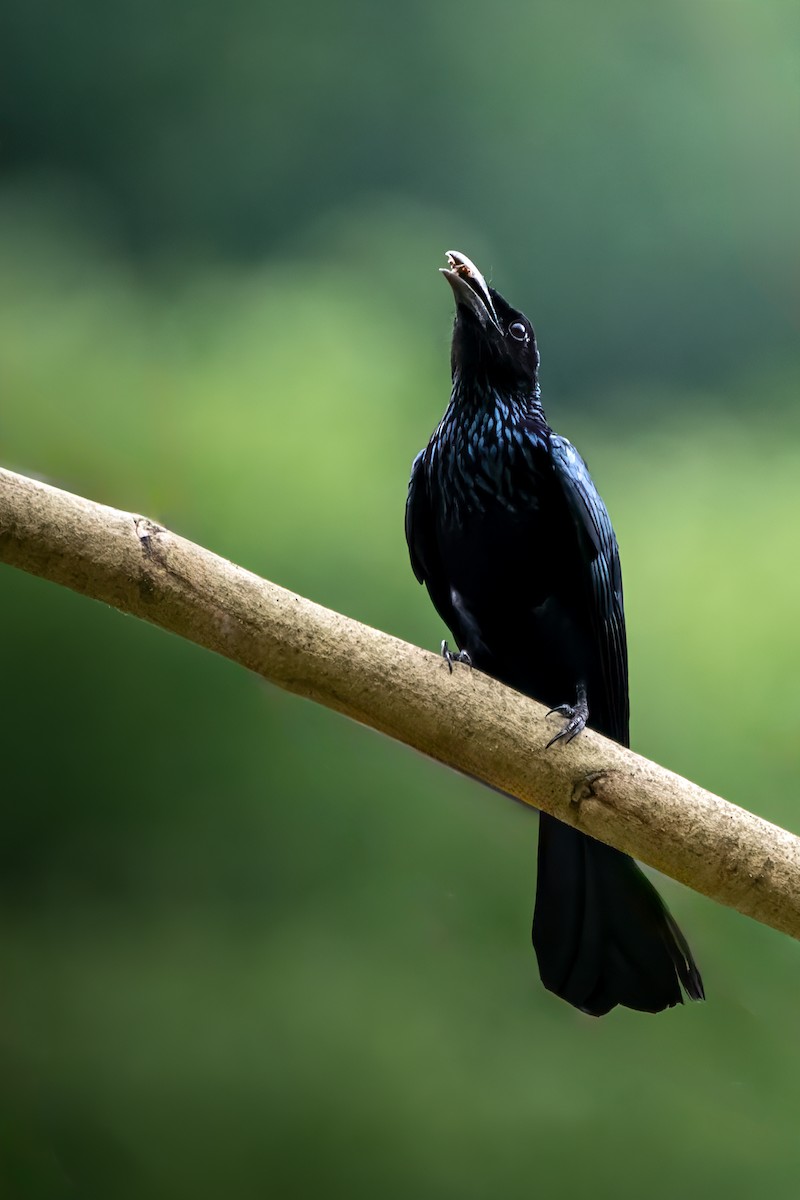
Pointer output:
485, 466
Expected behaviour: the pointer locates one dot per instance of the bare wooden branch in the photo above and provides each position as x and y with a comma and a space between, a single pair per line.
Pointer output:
466, 720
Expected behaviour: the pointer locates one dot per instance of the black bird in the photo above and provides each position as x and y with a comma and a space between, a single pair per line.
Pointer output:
508, 533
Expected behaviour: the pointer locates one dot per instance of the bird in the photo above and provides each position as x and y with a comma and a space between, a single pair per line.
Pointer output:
508, 532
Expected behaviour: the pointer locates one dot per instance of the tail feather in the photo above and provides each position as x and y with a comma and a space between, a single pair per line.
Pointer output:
602, 934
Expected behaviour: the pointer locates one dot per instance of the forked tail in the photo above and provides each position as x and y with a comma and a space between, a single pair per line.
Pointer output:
602, 934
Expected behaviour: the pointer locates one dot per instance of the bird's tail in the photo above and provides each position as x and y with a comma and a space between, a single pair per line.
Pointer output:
602, 934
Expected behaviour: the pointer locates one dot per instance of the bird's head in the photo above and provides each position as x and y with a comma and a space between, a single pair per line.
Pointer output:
493, 344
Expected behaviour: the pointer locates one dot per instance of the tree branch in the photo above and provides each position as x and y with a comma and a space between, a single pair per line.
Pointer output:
467, 720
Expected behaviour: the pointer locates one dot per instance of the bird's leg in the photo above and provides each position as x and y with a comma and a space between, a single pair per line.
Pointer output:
578, 715
450, 658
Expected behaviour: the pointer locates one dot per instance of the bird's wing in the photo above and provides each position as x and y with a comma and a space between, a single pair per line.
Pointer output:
420, 533
599, 548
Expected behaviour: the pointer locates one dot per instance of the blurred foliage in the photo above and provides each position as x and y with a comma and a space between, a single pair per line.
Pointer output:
249, 949
633, 172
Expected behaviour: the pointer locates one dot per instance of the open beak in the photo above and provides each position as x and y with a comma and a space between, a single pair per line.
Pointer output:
470, 288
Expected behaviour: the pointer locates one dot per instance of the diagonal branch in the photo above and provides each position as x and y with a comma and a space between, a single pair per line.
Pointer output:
467, 720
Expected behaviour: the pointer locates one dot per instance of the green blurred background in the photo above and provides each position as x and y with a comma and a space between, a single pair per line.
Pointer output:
246, 948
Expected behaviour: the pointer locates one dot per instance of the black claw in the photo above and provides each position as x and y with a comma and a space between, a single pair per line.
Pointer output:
578, 715
450, 658
571, 730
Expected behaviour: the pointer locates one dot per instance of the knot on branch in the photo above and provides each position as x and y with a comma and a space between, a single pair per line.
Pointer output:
588, 787
607, 789
145, 531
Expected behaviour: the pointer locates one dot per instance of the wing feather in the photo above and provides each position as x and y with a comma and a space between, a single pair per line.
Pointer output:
599, 545
420, 532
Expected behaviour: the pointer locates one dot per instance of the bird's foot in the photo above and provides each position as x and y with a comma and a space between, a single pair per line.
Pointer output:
577, 714
450, 658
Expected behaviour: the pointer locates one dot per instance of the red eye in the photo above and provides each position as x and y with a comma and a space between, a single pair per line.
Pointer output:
518, 331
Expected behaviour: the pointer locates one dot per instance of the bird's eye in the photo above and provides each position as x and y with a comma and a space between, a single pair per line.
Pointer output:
518, 331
